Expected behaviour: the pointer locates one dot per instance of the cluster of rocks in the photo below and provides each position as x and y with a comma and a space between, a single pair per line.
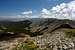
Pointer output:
54, 41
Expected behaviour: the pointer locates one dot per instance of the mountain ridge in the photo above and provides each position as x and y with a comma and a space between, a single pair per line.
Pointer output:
34, 25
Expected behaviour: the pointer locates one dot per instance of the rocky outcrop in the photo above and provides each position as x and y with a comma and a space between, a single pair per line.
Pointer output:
55, 41
49, 25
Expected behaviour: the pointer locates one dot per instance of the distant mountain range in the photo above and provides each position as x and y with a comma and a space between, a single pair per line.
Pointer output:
42, 25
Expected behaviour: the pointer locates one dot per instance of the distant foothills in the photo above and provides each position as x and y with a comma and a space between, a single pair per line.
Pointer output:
34, 25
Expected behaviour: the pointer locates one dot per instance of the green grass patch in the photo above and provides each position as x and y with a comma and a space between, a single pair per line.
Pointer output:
27, 45
70, 32
33, 34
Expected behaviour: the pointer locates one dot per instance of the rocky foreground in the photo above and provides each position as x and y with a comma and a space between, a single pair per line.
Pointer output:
55, 41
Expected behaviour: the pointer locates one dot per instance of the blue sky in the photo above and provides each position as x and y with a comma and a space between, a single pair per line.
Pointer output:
14, 7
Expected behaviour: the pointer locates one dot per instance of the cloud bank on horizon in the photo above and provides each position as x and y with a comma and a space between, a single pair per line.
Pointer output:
62, 11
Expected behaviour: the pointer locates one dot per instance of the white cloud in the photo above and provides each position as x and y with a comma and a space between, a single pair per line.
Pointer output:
45, 11
23, 16
27, 12
62, 11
